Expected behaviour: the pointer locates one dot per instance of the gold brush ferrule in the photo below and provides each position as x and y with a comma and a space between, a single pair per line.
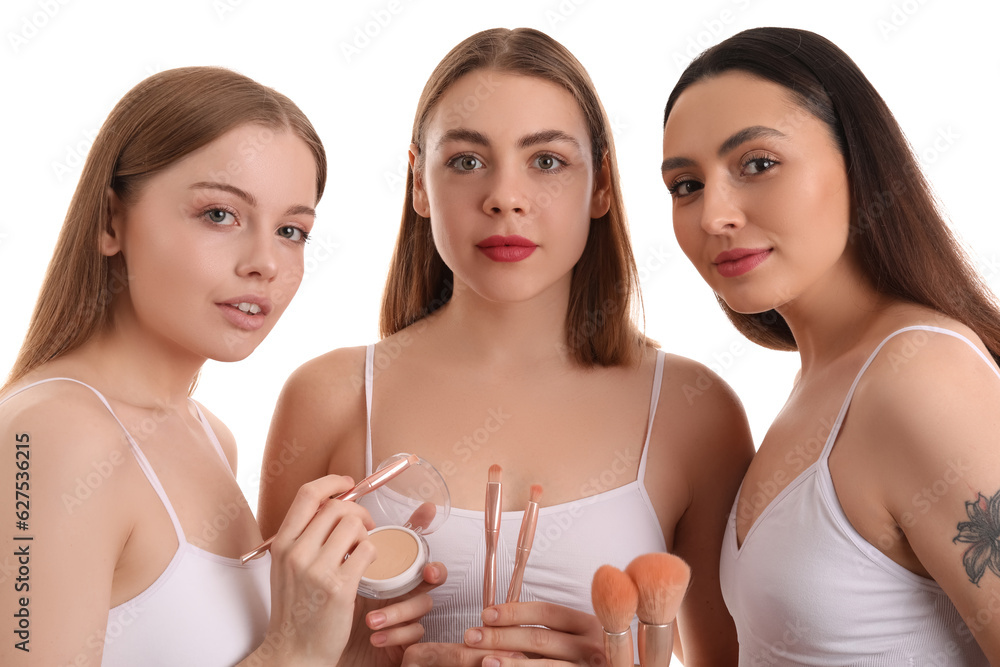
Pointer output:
618, 648
656, 644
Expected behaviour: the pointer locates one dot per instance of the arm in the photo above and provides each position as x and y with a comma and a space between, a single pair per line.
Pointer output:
929, 413
702, 421
319, 426
61, 583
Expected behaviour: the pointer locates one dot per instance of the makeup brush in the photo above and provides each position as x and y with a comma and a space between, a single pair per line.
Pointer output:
662, 580
367, 485
524, 540
615, 597
494, 501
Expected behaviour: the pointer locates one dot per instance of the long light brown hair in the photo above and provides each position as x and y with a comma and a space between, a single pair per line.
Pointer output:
604, 290
905, 246
161, 120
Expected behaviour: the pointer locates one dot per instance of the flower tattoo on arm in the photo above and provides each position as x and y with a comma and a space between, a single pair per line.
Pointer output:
982, 533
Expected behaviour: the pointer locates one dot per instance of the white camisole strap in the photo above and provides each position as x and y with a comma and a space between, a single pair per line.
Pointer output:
832, 438
369, 381
140, 458
654, 399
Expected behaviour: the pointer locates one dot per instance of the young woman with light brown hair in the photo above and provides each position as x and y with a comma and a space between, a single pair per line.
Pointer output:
510, 338
183, 242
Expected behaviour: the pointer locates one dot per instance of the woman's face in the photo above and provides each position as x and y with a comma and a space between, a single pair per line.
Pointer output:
761, 201
213, 246
508, 183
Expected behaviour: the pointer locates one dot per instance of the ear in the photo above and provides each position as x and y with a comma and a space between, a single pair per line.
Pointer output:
111, 235
420, 204
600, 202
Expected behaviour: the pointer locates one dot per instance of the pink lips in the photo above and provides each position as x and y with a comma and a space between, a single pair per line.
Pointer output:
738, 261
251, 316
507, 248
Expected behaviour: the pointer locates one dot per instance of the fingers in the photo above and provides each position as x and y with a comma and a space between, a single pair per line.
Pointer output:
540, 641
400, 635
404, 611
448, 655
554, 616
307, 502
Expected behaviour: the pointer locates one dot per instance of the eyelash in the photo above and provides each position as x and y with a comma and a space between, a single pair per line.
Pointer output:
454, 162
748, 159
303, 234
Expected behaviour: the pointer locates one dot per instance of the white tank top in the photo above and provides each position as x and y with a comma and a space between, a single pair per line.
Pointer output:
806, 588
571, 541
204, 609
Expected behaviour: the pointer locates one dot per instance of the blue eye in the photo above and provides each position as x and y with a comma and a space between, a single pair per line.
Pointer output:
293, 233
218, 216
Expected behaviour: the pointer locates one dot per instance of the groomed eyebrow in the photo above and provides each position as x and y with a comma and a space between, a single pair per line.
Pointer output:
527, 141
462, 134
737, 139
547, 136
298, 209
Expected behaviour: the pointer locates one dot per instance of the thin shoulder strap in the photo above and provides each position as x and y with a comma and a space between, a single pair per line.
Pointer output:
140, 458
369, 380
210, 432
654, 399
828, 447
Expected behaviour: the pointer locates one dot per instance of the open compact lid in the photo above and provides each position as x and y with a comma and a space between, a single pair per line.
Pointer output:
417, 498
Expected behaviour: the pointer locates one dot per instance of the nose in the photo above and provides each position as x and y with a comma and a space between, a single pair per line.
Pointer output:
258, 256
721, 208
507, 192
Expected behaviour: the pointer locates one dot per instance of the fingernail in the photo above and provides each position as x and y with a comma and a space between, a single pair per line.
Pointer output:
491, 662
378, 639
490, 615
376, 619
473, 636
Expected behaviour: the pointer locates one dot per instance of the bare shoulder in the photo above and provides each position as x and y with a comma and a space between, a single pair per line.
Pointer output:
704, 410
73, 449
924, 382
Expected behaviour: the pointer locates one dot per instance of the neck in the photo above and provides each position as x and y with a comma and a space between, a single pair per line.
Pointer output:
832, 318
510, 335
139, 367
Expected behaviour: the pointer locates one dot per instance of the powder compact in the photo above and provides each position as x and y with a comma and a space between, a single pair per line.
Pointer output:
414, 503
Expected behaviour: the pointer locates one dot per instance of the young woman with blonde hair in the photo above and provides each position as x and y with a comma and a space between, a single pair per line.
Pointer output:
510, 339
183, 242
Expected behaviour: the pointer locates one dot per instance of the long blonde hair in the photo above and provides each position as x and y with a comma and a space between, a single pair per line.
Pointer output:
604, 290
162, 119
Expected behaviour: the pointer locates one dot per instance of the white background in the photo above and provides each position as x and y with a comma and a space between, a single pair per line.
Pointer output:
63, 65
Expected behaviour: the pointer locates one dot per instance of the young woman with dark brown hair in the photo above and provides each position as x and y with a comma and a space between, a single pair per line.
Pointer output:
510, 339
183, 242
865, 531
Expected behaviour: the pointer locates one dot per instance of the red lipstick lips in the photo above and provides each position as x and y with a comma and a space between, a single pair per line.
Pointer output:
507, 248
738, 261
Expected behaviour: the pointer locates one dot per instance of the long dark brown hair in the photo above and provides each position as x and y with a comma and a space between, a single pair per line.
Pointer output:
902, 241
162, 119
604, 289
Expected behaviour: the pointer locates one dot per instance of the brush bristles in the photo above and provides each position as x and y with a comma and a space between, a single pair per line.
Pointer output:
662, 580
615, 598
495, 473
536, 493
